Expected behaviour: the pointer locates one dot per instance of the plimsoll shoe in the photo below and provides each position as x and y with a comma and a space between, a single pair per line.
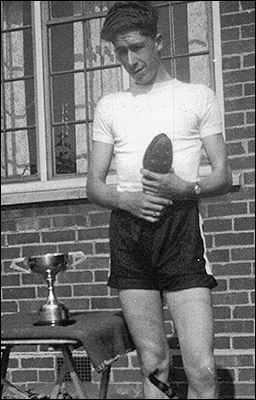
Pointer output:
170, 391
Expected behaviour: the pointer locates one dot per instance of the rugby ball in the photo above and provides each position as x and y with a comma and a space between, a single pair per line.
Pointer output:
158, 156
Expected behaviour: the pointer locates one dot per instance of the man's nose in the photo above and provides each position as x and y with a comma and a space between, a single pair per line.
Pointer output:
132, 59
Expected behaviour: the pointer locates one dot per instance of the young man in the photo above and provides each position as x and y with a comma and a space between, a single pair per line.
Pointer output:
156, 238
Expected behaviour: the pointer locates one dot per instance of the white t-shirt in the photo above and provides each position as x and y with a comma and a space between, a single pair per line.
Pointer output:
130, 120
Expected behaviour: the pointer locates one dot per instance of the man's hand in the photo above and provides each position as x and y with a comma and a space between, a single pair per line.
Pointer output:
168, 186
143, 205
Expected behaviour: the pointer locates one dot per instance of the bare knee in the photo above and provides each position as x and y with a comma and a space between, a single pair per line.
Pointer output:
153, 358
204, 372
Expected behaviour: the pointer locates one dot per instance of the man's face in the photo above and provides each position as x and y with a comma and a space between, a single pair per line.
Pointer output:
139, 55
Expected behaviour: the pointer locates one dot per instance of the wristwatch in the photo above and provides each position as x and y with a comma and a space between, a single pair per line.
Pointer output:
197, 189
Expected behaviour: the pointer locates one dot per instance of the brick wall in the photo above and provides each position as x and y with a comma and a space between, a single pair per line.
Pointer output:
80, 226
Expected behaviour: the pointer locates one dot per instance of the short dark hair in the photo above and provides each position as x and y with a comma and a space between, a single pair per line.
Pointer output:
127, 16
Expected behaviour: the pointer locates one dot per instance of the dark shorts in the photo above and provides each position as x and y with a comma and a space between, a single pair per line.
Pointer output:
168, 255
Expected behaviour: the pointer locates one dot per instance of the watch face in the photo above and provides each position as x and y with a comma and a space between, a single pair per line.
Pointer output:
197, 189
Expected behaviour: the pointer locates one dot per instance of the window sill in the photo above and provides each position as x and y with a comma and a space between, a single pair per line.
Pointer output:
68, 189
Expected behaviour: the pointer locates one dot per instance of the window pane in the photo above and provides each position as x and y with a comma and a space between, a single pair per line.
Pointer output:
19, 104
98, 53
18, 153
68, 97
102, 82
194, 69
71, 149
190, 27
18, 135
16, 46
16, 14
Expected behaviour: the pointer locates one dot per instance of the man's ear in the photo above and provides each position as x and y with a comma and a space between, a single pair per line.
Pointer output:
159, 41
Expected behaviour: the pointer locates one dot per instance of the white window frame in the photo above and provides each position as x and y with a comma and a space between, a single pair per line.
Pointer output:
56, 189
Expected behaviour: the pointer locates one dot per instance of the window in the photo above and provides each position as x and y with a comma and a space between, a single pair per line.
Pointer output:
55, 69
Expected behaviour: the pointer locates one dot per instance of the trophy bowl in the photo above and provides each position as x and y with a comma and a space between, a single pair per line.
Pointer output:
49, 265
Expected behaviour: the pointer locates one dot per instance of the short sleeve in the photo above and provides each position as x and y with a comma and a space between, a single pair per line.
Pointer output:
209, 111
102, 131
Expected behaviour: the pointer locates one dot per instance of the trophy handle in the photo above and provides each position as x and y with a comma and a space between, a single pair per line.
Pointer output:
78, 257
19, 268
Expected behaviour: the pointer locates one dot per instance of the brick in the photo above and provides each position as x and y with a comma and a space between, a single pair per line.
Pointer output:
217, 225
247, 103
249, 60
38, 250
248, 31
246, 391
9, 253
19, 293
232, 269
8, 226
83, 221
24, 376
221, 342
99, 262
63, 221
31, 305
234, 239
36, 362
230, 298
93, 234
243, 18
90, 290
56, 208
101, 276
222, 286
250, 118
236, 149
244, 224
233, 91
242, 133
27, 224
23, 238
86, 248
219, 255
221, 313
102, 248
249, 89
234, 119
249, 179
105, 303
238, 47
32, 279
58, 236
246, 312
243, 254
45, 223
100, 219
230, 34
13, 363
227, 209
232, 327
227, 7
246, 375
9, 307
248, 5
46, 376
75, 277
78, 304
251, 146
245, 75
10, 280
242, 284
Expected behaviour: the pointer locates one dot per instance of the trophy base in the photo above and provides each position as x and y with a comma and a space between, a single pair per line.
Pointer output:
55, 323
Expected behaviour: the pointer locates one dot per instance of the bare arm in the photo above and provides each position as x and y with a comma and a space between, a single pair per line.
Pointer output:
146, 206
218, 182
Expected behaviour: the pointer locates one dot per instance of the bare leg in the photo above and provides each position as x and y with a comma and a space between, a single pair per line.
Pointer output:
143, 311
191, 311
